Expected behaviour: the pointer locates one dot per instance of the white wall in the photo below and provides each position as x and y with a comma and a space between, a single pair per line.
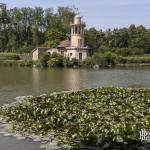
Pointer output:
35, 55
75, 54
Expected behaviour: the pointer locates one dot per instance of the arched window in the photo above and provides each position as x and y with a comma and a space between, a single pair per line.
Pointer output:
80, 56
76, 30
79, 30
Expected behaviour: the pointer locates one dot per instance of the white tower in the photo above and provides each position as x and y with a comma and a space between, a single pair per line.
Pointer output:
77, 47
77, 32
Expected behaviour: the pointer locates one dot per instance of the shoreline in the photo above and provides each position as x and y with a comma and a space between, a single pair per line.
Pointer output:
30, 64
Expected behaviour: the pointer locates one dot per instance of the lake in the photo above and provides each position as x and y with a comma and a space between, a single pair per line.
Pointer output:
15, 81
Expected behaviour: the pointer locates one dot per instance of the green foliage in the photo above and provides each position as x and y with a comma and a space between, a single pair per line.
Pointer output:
55, 60
129, 51
9, 56
91, 117
137, 60
18, 63
125, 41
88, 62
104, 59
44, 60
55, 55
54, 36
22, 29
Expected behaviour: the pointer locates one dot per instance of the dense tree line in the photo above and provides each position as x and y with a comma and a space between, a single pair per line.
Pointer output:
22, 29
125, 41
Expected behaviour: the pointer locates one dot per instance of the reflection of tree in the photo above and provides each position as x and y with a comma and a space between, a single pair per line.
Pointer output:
52, 80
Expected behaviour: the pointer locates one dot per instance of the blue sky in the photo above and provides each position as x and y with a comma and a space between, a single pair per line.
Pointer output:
99, 13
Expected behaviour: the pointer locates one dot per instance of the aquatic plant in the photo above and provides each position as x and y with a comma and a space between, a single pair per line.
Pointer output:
88, 117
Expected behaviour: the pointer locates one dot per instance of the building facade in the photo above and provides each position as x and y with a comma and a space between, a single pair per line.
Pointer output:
73, 47
77, 47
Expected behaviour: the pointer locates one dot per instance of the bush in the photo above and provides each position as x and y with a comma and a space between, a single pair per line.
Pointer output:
110, 58
19, 63
55, 55
129, 51
137, 59
88, 62
104, 59
99, 59
123, 52
9, 56
55, 62
44, 60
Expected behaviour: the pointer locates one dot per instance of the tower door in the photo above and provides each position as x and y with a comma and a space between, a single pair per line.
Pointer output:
80, 56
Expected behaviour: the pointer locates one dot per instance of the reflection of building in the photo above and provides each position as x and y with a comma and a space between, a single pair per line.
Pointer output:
71, 48
36, 79
73, 79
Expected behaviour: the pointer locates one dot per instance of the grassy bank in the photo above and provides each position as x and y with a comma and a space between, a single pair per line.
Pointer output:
98, 60
91, 117
18, 63
9, 56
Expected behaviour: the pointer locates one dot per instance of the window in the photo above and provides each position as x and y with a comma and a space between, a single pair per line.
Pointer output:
80, 56
79, 29
76, 30
70, 54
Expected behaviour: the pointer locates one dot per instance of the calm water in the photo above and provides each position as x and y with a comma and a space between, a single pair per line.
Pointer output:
34, 81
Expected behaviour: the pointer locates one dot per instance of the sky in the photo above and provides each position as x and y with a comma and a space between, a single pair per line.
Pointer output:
101, 14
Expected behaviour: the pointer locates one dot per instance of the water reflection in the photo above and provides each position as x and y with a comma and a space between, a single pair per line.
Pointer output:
73, 79
35, 78
64, 79
35, 81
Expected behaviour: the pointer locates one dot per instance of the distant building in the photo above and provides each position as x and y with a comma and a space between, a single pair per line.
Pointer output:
71, 48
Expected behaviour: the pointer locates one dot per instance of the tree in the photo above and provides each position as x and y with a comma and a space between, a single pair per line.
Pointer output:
54, 36
66, 15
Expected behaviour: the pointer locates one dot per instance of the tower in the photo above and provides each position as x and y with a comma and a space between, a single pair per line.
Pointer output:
77, 32
77, 47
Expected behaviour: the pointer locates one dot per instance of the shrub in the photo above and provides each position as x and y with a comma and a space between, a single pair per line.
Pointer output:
123, 51
55, 55
104, 59
9, 56
75, 62
129, 51
44, 60
110, 58
88, 62
67, 62
55, 62
137, 59
99, 59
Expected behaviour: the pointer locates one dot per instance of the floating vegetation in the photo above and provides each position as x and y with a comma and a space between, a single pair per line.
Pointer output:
92, 117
